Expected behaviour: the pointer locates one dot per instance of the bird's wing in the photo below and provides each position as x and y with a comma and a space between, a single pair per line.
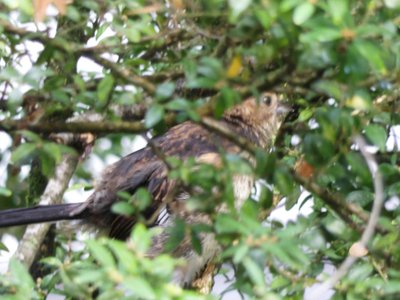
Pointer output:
144, 169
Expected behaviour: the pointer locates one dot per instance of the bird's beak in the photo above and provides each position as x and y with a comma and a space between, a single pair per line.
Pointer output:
283, 109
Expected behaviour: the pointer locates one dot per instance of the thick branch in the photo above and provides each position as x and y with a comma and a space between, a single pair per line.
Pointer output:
34, 234
74, 127
93, 127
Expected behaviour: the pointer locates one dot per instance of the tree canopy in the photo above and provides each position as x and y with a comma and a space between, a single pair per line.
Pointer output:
84, 80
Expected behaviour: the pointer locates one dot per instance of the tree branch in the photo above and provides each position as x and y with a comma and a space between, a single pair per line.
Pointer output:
124, 74
94, 127
34, 234
74, 127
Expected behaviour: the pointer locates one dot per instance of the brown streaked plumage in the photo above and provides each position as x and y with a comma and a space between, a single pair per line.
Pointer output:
257, 120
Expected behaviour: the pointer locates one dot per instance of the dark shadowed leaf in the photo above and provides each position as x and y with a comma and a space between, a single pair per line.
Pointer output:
23, 151
165, 90
154, 115
3, 247
104, 88
377, 135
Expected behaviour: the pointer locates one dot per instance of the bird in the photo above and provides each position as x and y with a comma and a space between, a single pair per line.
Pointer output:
257, 119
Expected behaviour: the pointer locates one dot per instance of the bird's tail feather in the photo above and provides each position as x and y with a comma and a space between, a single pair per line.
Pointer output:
40, 214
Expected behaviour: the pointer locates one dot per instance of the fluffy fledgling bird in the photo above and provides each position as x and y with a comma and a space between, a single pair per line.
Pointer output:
256, 120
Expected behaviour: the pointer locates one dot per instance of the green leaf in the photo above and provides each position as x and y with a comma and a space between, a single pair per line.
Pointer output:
360, 272
31, 136
123, 208
126, 258
176, 235
392, 287
240, 252
227, 224
377, 135
165, 90
22, 151
287, 5
154, 115
47, 163
210, 68
21, 274
178, 104
306, 114
361, 198
238, 6
133, 34
104, 89
101, 253
140, 287
51, 261
196, 242
283, 181
303, 12
358, 167
89, 276
321, 34
264, 18
142, 198
141, 238
338, 9
279, 282
293, 197
3, 247
318, 150
331, 88
394, 189
53, 150
255, 272
5, 192
266, 163
373, 54
227, 98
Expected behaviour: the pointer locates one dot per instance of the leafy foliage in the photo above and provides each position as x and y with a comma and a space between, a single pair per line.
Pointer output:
160, 63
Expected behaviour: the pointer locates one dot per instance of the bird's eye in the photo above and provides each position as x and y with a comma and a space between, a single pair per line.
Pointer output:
267, 100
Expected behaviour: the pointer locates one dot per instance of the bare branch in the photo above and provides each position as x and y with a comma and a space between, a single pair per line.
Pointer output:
34, 234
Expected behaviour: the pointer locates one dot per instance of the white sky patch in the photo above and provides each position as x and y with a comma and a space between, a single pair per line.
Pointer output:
283, 216
5, 143
86, 65
295, 140
310, 292
392, 204
393, 142
130, 145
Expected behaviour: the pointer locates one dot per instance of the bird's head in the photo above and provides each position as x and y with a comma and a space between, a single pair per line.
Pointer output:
262, 116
